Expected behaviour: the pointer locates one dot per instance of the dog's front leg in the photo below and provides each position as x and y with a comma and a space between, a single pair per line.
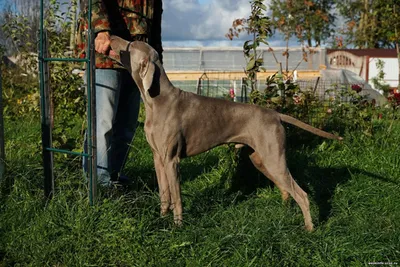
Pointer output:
172, 172
163, 187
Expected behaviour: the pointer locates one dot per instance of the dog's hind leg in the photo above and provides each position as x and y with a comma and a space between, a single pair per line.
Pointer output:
273, 164
163, 187
301, 198
257, 162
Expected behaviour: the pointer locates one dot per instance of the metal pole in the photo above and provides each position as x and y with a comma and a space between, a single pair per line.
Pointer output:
44, 78
2, 151
198, 89
91, 110
45, 116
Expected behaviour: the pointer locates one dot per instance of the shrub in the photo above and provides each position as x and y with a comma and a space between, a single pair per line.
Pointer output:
20, 84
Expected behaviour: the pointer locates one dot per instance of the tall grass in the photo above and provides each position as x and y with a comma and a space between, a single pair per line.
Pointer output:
233, 216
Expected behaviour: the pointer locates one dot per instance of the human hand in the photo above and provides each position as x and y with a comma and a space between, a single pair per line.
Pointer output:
102, 42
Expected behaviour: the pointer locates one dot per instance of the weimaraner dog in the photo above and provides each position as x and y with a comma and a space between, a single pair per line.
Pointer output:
180, 124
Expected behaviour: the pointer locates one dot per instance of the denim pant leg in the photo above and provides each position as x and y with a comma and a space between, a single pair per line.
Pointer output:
117, 109
125, 122
107, 94
108, 84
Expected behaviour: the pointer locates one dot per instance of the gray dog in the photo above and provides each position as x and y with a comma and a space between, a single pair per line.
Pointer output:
180, 124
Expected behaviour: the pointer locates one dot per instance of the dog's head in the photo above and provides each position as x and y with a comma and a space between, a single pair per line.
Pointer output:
139, 58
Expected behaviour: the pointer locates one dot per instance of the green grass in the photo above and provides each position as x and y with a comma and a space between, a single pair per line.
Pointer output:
233, 216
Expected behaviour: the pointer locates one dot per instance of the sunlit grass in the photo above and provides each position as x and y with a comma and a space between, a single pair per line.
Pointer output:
229, 219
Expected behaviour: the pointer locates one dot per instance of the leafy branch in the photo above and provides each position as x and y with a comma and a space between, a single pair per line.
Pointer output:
258, 26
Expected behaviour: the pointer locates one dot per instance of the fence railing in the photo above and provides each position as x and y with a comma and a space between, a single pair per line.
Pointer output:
325, 94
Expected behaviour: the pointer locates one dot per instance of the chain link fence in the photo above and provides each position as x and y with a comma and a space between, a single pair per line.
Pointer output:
316, 100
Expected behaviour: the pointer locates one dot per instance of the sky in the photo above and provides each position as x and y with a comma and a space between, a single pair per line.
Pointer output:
201, 22
189, 23
195, 22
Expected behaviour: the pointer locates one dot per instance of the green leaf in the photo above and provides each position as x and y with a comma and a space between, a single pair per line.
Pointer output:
276, 100
251, 64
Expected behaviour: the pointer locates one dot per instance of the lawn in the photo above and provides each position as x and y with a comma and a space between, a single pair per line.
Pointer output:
232, 215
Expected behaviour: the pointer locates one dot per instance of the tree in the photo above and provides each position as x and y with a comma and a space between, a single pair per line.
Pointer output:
309, 20
26, 12
372, 24
369, 24
5, 42
258, 26
391, 28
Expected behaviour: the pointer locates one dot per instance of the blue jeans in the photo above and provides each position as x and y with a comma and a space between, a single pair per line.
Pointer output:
117, 109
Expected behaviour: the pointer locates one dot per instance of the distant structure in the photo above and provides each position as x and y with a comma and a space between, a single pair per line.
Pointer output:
363, 62
232, 58
187, 66
224, 66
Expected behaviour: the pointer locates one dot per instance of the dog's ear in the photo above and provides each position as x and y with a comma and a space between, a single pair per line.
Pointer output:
147, 69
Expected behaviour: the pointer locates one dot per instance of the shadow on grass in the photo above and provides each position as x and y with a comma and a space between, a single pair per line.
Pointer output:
246, 179
319, 182
6, 185
322, 182
145, 176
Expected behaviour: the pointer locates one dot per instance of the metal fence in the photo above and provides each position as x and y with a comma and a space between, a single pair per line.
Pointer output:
323, 89
220, 86
323, 95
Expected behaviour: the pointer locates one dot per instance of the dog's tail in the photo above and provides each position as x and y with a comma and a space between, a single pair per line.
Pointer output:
307, 127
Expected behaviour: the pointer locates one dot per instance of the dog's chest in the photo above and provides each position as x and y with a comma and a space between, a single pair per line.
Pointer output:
155, 135
148, 129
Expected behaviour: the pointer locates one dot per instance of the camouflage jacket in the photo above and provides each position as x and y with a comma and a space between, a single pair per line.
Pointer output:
129, 19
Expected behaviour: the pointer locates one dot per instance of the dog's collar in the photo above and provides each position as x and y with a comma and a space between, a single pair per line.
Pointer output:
128, 46
125, 57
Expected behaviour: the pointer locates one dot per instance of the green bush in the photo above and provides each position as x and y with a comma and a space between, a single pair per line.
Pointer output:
344, 109
21, 83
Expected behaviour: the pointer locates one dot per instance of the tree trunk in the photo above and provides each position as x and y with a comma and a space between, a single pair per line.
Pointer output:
398, 61
396, 34
74, 5
362, 39
309, 41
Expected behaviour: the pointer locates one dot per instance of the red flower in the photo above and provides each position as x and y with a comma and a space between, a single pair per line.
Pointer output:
296, 99
394, 98
232, 93
356, 87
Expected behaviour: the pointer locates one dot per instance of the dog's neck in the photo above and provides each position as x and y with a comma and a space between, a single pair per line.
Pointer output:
168, 87
158, 94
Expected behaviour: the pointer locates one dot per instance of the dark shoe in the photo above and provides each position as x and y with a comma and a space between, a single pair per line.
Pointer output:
122, 180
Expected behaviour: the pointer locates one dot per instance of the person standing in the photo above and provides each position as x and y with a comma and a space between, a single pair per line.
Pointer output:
117, 95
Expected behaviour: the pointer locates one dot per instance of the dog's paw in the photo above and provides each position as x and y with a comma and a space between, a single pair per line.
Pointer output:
178, 221
309, 228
